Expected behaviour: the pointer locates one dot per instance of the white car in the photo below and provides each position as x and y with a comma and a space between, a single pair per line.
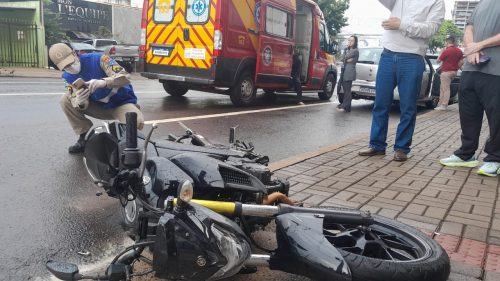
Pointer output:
366, 72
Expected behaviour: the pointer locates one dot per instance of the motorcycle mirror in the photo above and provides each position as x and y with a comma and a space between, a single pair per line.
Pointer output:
186, 192
63, 270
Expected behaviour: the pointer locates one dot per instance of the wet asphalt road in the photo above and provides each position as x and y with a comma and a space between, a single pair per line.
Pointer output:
48, 203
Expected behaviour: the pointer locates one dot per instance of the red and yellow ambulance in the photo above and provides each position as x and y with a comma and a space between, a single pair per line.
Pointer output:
236, 46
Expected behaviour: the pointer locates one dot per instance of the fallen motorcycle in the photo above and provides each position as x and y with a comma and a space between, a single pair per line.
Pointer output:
231, 172
194, 241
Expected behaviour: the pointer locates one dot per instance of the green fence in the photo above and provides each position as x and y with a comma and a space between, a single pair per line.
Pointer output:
18, 43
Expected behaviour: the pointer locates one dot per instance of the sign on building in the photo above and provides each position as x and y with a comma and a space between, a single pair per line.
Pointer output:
83, 16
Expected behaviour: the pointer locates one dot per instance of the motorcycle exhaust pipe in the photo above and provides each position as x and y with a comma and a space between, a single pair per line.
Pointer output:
258, 260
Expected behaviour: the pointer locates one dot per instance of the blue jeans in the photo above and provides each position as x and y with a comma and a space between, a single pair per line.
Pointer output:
405, 71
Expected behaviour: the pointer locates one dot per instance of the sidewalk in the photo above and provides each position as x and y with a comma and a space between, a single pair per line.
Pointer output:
457, 207
41, 73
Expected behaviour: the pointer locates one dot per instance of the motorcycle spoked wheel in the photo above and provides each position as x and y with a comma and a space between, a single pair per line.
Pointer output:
388, 250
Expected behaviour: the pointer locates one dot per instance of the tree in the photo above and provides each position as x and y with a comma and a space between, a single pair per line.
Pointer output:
448, 28
52, 22
334, 10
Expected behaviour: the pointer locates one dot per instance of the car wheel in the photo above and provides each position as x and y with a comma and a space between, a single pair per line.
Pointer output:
174, 89
328, 87
432, 103
244, 92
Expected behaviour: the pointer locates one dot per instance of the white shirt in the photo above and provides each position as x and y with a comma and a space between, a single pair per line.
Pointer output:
420, 21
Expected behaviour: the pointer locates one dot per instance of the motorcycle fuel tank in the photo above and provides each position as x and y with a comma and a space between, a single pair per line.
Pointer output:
304, 250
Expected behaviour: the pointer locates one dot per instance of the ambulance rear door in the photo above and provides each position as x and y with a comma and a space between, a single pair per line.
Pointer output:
276, 44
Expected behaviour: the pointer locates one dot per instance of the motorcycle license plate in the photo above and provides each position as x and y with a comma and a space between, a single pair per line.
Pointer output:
367, 90
162, 51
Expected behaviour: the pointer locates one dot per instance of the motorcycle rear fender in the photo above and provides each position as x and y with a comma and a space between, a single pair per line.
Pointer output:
209, 172
304, 250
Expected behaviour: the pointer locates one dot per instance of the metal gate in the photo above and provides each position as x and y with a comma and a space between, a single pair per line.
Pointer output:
18, 43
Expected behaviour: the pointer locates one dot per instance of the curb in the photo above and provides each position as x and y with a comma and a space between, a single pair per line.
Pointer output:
311, 154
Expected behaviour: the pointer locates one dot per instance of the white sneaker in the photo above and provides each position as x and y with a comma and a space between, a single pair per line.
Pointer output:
455, 161
441, 107
490, 169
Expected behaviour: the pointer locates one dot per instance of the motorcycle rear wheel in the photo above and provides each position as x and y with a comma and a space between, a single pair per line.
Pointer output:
389, 250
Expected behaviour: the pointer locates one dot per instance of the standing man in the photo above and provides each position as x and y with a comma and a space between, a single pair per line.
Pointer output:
452, 59
296, 71
480, 90
406, 37
106, 94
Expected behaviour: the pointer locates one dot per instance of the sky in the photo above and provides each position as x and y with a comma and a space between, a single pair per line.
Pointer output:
364, 16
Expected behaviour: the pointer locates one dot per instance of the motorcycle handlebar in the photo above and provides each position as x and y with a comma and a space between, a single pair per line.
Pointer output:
131, 129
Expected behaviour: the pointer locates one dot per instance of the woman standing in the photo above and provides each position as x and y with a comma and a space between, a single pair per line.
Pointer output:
349, 74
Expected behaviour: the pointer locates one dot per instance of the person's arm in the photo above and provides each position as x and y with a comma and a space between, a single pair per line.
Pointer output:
427, 29
472, 58
117, 76
486, 43
389, 4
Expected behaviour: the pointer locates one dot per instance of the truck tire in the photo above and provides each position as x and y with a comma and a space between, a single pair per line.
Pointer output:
174, 89
243, 93
428, 261
328, 87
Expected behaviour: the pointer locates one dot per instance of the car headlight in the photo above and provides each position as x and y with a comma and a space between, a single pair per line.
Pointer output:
235, 249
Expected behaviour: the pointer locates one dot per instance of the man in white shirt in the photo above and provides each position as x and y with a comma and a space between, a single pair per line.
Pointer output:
406, 37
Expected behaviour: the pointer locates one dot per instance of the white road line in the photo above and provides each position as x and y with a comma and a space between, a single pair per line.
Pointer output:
52, 94
24, 82
232, 113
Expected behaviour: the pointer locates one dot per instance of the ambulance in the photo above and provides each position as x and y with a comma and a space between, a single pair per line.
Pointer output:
235, 47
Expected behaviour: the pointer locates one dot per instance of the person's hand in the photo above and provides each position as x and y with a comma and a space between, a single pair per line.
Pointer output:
95, 84
473, 48
392, 23
474, 58
82, 98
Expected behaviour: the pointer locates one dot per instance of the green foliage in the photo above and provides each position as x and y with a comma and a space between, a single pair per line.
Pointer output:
103, 33
448, 28
53, 32
334, 10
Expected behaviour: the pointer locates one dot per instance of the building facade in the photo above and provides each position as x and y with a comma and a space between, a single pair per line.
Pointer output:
22, 34
462, 11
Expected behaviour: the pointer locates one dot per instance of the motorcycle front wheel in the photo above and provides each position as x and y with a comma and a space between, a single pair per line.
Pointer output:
388, 250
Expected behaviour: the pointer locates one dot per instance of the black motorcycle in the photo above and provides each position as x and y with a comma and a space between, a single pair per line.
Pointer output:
231, 172
193, 241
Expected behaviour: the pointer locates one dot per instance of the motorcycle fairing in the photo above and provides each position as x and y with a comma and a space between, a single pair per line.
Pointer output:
304, 250
209, 172
165, 176
186, 247
101, 158
170, 148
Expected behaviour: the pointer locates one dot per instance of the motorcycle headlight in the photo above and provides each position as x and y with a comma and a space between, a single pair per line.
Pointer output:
236, 251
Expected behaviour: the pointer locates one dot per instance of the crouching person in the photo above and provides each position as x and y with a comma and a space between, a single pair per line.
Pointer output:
97, 87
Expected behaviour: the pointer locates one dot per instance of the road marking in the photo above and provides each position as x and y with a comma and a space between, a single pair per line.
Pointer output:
170, 120
39, 82
60, 94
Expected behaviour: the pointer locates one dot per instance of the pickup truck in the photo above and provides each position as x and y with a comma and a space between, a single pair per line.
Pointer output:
125, 55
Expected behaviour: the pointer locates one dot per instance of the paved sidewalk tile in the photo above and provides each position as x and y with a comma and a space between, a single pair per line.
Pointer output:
457, 207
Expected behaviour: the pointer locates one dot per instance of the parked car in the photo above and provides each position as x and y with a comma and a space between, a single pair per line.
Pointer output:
101, 44
366, 72
82, 48
125, 55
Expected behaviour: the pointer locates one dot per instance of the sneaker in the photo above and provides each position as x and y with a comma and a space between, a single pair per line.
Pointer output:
441, 108
455, 161
78, 147
490, 169
300, 103
340, 109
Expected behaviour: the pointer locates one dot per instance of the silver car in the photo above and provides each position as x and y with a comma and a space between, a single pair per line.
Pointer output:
366, 72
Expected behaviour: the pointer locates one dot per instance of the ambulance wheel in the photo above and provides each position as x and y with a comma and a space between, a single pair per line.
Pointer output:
327, 92
174, 89
244, 92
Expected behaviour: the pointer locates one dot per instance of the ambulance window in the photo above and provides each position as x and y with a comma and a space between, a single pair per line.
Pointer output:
278, 22
197, 11
164, 11
324, 37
